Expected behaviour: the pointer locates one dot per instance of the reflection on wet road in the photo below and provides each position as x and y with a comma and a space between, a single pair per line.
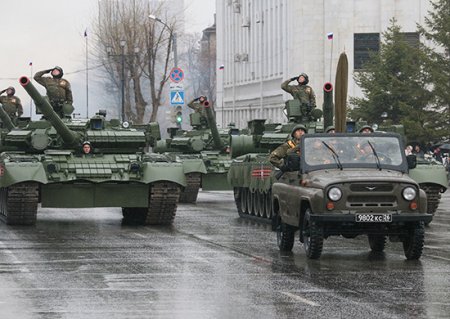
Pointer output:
210, 264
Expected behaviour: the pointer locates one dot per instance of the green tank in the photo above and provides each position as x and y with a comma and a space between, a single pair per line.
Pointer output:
43, 162
251, 174
203, 151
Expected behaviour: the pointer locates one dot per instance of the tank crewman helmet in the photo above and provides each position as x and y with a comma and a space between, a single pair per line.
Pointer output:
366, 128
10, 91
58, 74
86, 147
306, 79
298, 127
330, 128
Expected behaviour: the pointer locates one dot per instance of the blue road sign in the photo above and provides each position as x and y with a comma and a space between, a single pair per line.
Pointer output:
176, 97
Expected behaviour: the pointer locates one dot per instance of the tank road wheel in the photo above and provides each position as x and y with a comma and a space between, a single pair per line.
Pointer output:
377, 242
243, 198
268, 204
250, 202
258, 200
163, 202
285, 237
190, 193
413, 242
433, 196
312, 237
18, 203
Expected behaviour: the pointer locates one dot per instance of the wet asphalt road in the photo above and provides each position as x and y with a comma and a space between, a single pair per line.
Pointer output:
211, 264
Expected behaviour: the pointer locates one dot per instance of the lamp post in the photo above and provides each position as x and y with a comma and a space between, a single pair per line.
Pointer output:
122, 56
173, 35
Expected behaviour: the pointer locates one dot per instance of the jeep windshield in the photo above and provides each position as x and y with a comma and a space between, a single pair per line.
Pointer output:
341, 151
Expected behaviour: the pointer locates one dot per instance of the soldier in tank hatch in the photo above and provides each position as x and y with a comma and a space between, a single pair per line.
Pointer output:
278, 155
302, 92
58, 90
11, 103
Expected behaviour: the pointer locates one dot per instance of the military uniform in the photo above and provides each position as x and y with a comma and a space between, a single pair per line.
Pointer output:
278, 155
301, 92
11, 105
58, 90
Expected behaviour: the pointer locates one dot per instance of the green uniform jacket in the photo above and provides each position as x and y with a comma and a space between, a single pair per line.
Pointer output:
304, 93
12, 106
58, 90
277, 156
197, 107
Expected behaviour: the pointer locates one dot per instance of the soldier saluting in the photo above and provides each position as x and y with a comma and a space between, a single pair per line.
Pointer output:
11, 103
58, 90
302, 92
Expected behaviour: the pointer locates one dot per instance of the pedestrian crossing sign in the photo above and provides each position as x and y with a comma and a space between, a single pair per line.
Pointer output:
176, 97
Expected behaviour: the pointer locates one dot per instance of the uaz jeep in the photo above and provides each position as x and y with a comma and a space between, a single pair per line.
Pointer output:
350, 185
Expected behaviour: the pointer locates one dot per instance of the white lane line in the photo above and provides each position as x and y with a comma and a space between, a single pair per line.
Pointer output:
438, 257
301, 299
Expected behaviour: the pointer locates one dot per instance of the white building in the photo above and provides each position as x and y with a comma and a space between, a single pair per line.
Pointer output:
261, 43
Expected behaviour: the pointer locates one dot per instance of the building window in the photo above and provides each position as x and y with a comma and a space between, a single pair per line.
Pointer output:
412, 38
364, 45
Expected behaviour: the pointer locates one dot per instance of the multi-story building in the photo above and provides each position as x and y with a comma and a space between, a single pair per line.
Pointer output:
260, 43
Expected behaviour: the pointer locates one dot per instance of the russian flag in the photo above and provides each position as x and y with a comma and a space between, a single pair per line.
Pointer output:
330, 35
222, 67
30, 64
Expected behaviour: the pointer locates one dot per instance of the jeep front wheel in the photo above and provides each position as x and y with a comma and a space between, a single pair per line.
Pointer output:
285, 237
312, 237
413, 242
377, 242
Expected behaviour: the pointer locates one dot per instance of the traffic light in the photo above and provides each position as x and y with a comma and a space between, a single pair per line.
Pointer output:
178, 115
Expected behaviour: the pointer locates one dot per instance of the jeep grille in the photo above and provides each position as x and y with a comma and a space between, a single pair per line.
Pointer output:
365, 187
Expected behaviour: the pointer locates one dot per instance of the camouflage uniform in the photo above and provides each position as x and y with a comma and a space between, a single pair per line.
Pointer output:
197, 107
11, 105
58, 90
301, 92
278, 155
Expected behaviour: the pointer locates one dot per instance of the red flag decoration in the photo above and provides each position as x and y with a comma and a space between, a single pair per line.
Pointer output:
330, 36
222, 67
30, 64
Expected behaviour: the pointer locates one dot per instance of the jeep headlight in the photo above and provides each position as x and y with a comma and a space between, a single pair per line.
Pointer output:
334, 194
409, 193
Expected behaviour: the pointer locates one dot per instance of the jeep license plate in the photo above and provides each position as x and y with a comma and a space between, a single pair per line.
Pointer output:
373, 218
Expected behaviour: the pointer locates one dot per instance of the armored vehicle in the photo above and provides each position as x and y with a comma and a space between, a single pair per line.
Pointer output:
203, 151
350, 185
251, 174
44, 163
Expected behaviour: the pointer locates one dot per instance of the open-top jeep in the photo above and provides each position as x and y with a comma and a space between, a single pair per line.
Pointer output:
350, 185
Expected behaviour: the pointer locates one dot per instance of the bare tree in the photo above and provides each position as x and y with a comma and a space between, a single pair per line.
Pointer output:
135, 53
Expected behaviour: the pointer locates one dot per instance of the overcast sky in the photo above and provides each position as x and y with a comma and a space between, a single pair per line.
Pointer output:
50, 32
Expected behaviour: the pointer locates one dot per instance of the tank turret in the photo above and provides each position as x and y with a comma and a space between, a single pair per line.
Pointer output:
68, 136
7, 123
218, 143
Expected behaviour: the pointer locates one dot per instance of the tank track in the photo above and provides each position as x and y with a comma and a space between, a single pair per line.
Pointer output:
254, 205
162, 206
19, 203
433, 196
190, 193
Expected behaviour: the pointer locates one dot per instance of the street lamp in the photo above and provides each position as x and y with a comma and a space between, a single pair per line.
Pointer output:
122, 56
173, 35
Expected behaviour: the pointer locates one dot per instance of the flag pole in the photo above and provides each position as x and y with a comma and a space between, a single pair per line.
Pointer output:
331, 55
87, 75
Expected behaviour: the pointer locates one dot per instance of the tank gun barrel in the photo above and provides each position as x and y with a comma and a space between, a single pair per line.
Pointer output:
6, 119
68, 136
218, 144
328, 106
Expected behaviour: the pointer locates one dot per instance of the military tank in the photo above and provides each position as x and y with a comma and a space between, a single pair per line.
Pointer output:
203, 151
251, 174
43, 163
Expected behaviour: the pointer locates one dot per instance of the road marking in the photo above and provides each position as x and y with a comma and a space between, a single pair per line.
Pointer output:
438, 257
301, 299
